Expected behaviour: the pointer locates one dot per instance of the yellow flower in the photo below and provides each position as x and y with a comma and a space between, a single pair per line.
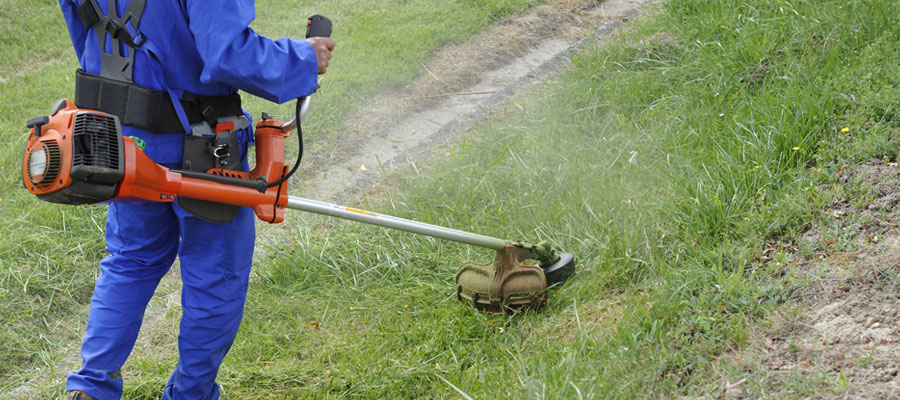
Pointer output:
795, 148
757, 167
845, 130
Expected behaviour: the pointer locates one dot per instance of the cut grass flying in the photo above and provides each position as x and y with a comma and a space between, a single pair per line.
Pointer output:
657, 191
47, 271
89, 161
707, 99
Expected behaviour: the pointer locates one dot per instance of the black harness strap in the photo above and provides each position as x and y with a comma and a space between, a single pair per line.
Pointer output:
115, 65
90, 13
114, 90
150, 110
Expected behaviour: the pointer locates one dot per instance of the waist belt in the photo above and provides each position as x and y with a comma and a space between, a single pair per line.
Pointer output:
147, 109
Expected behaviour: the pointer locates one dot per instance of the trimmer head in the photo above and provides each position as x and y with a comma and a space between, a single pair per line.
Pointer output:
510, 283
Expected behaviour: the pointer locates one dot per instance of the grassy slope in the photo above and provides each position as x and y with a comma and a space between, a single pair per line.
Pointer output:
664, 161
47, 269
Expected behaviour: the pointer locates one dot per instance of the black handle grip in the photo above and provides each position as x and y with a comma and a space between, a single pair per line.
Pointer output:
318, 26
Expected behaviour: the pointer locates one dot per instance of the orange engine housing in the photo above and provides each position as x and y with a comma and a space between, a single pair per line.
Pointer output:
77, 156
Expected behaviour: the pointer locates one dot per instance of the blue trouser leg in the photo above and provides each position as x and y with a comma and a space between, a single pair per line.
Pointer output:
142, 239
215, 270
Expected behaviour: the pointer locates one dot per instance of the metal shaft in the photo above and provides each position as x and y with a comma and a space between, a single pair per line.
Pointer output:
368, 217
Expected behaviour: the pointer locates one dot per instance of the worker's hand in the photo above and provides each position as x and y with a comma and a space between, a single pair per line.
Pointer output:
323, 47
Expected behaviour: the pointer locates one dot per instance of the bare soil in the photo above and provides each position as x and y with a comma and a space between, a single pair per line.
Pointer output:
843, 341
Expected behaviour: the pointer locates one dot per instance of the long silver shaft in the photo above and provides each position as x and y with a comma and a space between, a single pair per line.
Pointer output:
334, 210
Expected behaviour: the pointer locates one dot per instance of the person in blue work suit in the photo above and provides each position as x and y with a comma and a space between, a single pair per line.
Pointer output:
203, 48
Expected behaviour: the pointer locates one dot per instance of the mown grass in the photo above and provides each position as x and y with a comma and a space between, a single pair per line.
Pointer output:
49, 261
664, 161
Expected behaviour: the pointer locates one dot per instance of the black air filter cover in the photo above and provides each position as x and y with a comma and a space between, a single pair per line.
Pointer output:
97, 160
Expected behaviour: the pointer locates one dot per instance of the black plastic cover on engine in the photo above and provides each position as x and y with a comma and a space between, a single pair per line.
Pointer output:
97, 160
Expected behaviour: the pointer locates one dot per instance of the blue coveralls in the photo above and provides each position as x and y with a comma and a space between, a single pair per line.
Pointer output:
206, 48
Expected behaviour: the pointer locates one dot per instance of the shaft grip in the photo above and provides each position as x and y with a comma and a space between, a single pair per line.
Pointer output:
318, 26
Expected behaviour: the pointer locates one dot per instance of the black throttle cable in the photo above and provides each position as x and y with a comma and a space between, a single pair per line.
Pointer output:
300, 141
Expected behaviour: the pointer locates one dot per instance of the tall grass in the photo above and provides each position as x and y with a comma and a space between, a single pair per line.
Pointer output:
663, 160
49, 261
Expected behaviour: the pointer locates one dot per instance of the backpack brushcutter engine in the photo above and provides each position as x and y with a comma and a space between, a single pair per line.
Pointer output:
77, 156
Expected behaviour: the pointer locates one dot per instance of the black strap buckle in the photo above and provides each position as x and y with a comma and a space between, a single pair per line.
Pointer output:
92, 17
118, 30
138, 39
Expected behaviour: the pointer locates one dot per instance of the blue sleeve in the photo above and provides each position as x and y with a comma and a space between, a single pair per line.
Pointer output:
77, 30
233, 54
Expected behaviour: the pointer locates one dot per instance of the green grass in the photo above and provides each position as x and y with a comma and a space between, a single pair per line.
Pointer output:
664, 160
380, 44
34, 35
48, 265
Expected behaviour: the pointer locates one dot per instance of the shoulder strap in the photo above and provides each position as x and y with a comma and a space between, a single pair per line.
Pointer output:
115, 65
120, 29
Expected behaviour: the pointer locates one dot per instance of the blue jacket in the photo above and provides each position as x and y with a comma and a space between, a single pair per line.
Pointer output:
207, 48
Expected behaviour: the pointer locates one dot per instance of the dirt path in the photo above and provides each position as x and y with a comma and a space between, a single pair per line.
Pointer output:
844, 339
457, 89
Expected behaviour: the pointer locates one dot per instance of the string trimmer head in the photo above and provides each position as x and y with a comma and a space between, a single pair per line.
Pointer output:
511, 283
